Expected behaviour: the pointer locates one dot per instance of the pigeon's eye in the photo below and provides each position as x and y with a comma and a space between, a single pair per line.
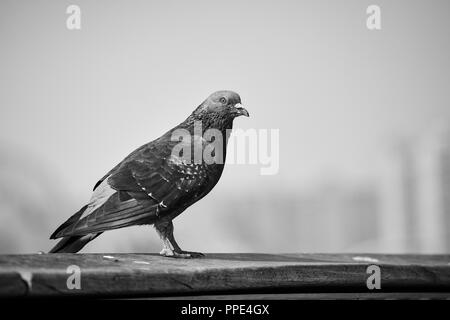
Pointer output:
223, 100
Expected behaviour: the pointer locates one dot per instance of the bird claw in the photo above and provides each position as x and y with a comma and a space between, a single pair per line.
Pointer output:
180, 254
192, 254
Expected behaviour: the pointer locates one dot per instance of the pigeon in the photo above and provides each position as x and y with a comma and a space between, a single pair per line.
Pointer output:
159, 180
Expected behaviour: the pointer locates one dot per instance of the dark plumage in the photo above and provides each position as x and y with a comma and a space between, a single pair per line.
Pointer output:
151, 186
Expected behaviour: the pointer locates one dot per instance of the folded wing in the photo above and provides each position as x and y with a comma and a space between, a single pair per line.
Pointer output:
141, 190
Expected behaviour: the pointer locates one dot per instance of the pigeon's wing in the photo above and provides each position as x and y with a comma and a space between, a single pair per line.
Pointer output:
119, 210
99, 182
170, 182
143, 149
141, 191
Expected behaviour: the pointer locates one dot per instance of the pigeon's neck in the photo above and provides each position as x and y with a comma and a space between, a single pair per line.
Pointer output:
200, 127
196, 125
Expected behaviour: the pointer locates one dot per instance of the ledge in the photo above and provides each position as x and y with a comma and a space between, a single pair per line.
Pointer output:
218, 276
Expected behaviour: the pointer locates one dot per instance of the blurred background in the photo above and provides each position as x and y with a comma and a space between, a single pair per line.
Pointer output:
363, 118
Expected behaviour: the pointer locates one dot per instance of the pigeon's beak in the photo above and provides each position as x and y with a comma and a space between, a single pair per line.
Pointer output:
240, 110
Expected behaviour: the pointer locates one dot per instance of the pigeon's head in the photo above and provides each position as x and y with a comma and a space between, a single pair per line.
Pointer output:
221, 107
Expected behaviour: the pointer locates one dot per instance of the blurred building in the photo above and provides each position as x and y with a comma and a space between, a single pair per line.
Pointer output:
415, 194
333, 216
432, 155
405, 209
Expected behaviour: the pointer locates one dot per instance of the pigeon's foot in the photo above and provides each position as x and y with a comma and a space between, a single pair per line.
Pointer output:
192, 254
180, 254
170, 246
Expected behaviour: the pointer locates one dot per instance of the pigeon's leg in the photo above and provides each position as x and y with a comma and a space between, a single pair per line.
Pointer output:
170, 247
177, 248
164, 229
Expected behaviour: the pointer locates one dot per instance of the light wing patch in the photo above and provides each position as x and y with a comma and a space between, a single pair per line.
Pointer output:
99, 197
176, 160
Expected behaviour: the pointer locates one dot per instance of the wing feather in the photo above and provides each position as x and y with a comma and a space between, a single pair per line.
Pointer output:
114, 214
146, 186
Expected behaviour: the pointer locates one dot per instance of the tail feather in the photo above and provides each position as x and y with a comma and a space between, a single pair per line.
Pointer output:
74, 218
73, 244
